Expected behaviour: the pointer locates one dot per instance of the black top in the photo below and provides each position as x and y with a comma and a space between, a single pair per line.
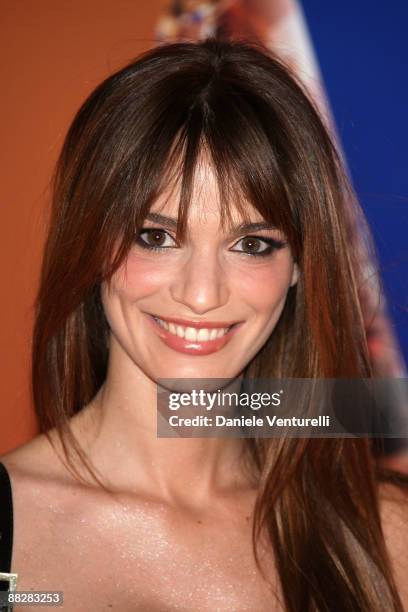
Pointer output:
6, 525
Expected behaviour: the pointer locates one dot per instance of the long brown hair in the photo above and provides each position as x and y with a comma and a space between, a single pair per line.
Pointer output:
141, 128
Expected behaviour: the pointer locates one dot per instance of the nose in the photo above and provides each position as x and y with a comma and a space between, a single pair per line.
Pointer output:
201, 284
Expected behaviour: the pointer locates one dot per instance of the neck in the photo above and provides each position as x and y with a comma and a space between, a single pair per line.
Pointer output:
118, 432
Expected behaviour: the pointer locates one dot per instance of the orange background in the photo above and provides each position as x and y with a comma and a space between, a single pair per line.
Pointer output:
53, 54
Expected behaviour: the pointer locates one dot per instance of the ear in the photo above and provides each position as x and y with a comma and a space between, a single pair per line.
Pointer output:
295, 275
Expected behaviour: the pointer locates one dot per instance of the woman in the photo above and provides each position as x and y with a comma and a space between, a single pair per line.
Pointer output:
197, 188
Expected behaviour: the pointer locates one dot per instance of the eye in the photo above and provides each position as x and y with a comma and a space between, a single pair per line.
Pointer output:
155, 239
257, 246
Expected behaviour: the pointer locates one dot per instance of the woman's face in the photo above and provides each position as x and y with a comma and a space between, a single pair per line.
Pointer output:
218, 295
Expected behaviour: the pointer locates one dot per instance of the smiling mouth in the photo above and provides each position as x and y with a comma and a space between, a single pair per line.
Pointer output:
193, 340
194, 334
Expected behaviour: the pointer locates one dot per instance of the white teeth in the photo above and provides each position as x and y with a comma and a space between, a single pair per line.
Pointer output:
213, 334
203, 335
191, 333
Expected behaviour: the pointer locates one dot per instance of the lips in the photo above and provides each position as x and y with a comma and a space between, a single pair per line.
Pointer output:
195, 338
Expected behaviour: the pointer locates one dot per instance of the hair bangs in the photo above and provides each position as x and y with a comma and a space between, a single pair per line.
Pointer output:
235, 136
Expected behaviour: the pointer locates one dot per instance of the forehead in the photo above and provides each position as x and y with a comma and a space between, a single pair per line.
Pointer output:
207, 203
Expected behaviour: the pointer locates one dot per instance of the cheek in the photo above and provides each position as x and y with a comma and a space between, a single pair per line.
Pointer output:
265, 286
135, 280
138, 278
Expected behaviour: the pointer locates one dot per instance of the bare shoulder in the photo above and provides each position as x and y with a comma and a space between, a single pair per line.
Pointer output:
394, 519
394, 508
43, 459
38, 483
48, 507
36, 461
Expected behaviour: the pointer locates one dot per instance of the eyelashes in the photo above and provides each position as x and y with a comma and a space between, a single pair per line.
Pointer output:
257, 246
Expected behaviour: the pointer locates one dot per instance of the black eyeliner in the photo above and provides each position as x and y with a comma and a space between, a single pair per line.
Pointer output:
274, 244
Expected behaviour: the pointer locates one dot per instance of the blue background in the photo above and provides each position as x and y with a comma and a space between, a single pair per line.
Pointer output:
362, 49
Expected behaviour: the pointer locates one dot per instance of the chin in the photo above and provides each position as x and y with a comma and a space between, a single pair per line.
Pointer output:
195, 372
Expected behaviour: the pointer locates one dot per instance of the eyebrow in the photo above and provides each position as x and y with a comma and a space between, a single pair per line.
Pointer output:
238, 230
